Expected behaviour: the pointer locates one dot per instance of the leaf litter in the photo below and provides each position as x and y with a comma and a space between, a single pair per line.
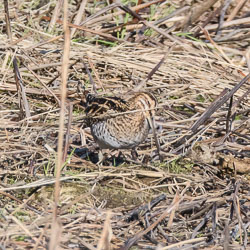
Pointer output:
198, 197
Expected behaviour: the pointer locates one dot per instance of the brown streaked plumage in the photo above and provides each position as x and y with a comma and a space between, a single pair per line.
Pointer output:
120, 124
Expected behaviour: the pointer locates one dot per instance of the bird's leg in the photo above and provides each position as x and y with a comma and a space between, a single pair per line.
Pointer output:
134, 154
152, 125
101, 157
115, 156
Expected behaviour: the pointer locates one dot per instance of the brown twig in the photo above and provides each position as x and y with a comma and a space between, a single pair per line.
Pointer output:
109, 37
7, 19
229, 113
23, 102
207, 20
56, 228
104, 242
67, 136
134, 215
55, 14
224, 96
221, 19
78, 17
196, 12
150, 25
237, 8
94, 18
129, 243
19, 83
221, 99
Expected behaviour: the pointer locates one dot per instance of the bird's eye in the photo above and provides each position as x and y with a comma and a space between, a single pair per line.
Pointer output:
89, 98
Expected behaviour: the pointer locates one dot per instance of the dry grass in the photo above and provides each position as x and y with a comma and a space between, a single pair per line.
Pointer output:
199, 196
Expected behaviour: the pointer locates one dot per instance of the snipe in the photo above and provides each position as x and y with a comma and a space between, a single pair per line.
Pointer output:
117, 123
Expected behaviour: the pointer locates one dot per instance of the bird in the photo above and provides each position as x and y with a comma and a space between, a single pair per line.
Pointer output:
120, 123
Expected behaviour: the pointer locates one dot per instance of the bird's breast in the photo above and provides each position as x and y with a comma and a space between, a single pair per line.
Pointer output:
121, 132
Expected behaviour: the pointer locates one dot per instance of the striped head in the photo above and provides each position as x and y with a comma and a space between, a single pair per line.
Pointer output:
144, 101
100, 107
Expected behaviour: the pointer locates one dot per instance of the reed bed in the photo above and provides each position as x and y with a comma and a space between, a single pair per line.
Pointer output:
55, 195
